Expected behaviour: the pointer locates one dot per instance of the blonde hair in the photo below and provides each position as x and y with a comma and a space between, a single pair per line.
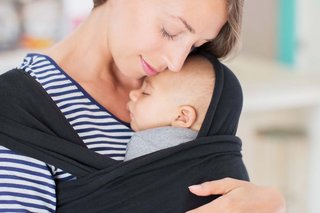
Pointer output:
229, 35
228, 38
97, 3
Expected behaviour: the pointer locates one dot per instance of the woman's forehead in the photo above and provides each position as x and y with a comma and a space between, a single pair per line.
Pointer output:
203, 16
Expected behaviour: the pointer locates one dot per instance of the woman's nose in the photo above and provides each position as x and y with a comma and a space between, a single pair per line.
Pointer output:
176, 58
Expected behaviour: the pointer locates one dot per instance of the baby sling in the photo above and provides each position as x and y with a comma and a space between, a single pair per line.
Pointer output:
31, 124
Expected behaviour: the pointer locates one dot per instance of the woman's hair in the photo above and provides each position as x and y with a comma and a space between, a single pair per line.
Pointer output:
229, 35
97, 3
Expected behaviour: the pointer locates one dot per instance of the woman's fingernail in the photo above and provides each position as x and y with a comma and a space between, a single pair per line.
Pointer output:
195, 187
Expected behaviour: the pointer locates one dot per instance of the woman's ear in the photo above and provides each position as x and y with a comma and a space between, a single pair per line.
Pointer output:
185, 117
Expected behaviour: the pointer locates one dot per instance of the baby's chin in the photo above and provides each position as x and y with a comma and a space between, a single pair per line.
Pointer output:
136, 128
133, 126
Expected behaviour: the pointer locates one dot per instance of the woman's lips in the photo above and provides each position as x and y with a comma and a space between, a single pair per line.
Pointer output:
148, 69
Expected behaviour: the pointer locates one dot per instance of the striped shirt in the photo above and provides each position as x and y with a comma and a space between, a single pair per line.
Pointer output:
27, 184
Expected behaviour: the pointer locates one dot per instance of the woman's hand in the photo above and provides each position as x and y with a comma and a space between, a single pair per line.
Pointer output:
238, 197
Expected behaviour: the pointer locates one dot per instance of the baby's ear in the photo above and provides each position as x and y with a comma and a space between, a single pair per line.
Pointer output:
185, 117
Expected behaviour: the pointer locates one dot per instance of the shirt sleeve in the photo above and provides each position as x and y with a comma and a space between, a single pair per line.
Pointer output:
26, 184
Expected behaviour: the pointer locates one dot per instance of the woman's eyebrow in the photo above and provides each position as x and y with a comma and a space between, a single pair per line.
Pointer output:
188, 26
185, 23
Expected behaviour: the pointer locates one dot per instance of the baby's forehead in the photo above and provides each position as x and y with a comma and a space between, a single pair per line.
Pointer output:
197, 62
166, 82
196, 69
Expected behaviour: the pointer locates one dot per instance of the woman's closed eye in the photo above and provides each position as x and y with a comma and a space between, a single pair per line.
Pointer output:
167, 35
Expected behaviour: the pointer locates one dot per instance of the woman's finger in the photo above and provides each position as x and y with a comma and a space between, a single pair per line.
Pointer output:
215, 187
239, 196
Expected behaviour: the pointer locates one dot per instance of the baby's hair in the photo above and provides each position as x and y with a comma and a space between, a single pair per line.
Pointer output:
198, 80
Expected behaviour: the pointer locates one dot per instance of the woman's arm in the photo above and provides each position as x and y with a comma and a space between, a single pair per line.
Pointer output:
26, 184
239, 196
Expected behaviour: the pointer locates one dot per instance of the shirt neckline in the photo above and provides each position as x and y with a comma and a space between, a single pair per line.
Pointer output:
85, 93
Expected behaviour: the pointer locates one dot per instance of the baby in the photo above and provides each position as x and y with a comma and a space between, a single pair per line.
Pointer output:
170, 107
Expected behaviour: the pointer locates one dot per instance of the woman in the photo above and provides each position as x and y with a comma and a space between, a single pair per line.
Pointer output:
90, 73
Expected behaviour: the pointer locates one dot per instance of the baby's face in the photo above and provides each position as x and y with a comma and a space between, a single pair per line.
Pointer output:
153, 104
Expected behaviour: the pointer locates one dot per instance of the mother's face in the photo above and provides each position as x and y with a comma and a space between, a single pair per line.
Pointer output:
148, 36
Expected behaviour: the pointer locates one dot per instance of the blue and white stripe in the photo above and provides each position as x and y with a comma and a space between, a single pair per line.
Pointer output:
98, 128
28, 185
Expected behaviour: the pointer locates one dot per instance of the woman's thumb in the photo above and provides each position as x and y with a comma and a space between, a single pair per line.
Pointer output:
216, 187
201, 189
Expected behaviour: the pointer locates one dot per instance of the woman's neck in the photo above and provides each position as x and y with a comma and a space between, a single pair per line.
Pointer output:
85, 55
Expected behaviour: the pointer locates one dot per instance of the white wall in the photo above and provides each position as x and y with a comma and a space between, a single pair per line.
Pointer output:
74, 8
308, 30
259, 33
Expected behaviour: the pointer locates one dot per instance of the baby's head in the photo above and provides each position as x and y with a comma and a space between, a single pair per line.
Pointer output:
179, 99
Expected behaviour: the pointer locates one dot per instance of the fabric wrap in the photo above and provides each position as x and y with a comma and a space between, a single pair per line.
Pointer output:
31, 124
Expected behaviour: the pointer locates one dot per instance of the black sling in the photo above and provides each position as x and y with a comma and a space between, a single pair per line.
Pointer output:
32, 124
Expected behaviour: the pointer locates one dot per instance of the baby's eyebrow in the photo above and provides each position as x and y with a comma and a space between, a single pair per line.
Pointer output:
148, 82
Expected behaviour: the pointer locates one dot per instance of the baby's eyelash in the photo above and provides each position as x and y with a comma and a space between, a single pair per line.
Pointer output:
144, 93
167, 35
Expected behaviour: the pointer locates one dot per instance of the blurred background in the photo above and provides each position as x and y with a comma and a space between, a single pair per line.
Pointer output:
278, 66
